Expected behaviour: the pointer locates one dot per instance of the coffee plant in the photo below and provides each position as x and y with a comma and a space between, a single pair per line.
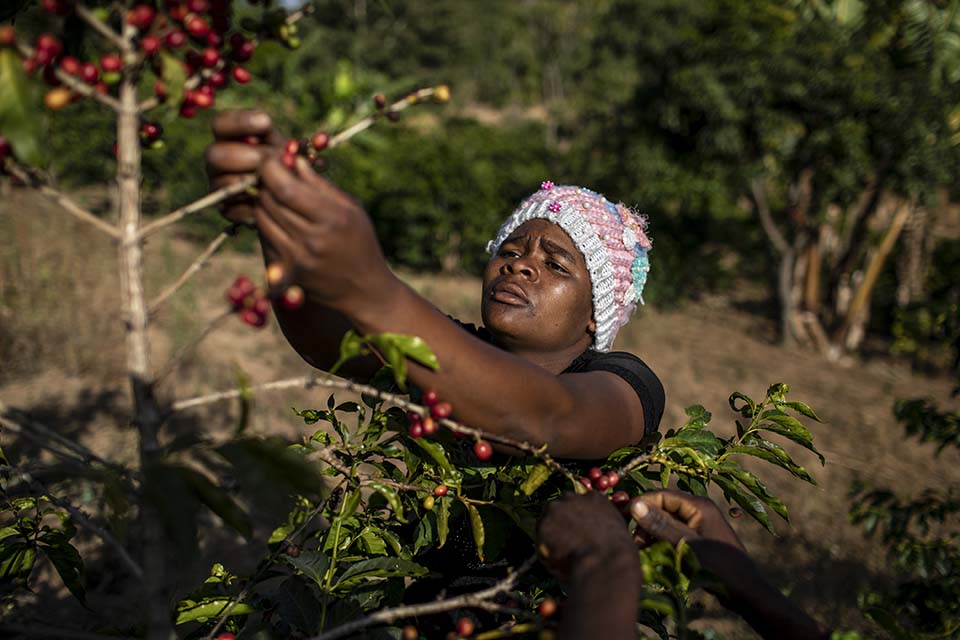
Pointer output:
920, 535
381, 486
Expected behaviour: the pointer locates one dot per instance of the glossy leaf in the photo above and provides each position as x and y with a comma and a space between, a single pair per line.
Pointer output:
476, 528
535, 479
312, 564
791, 429
66, 560
20, 120
392, 497
442, 511
802, 409
750, 503
379, 568
209, 608
775, 454
297, 605
757, 488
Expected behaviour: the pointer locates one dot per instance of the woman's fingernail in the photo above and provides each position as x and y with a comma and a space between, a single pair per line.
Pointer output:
260, 120
639, 509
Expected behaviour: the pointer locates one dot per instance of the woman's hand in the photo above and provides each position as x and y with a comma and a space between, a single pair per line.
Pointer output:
322, 237
232, 157
673, 515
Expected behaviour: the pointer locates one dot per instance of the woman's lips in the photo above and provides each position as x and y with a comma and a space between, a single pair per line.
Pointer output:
510, 294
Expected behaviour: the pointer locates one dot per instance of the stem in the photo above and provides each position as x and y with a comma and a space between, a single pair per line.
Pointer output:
191, 271
146, 415
329, 381
33, 180
478, 599
189, 347
73, 83
209, 200
101, 27
331, 568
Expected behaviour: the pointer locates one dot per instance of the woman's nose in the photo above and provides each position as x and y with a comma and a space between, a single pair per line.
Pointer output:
522, 265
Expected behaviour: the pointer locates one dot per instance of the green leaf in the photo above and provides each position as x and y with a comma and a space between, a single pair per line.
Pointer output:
747, 409
802, 409
775, 454
312, 564
351, 346
297, 605
476, 527
790, 428
208, 608
392, 496
174, 77
777, 391
16, 561
396, 348
756, 487
699, 417
750, 503
275, 460
20, 119
68, 563
537, 476
351, 505
438, 454
246, 403
701, 440
442, 511
372, 542
379, 568
218, 501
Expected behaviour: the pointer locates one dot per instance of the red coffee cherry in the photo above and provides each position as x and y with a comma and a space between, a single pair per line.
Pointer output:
261, 305
111, 62
141, 16
586, 483
441, 410
226, 636
430, 397
320, 140
253, 318
245, 284
547, 608
440, 490
429, 426
613, 478
57, 7
70, 65
293, 298
187, 110
292, 147
29, 65
289, 161
196, 26
414, 417
218, 79
198, 6
175, 39
160, 90
214, 40
601, 483
242, 49
49, 43
379, 100
416, 430
410, 633
151, 131
620, 498
482, 450
210, 57
594, 473
150, 45
241, 75
465, 627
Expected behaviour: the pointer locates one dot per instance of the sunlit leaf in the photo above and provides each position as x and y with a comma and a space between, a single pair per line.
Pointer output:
20, 119
379, 568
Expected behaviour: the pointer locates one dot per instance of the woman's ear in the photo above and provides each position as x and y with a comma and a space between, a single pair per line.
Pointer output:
592, 327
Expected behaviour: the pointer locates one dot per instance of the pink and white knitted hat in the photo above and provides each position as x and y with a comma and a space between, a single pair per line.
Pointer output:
612, 239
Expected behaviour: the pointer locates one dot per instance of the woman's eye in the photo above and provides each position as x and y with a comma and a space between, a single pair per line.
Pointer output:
507, 253
556, 266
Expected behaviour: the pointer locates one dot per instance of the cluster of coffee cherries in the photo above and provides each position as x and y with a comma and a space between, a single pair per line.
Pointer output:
308, 148
464, 628
252, 303
198, 31
426, 425
597, 479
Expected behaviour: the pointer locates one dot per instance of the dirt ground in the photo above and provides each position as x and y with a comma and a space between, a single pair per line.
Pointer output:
63, 371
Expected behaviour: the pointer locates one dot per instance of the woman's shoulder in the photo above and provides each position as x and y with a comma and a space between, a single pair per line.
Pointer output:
635, 372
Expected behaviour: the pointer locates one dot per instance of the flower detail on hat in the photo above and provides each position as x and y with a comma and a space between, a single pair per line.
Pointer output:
555, 207
629, 238
546, 185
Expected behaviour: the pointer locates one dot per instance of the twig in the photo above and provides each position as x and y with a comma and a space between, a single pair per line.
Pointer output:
190, 83
191, 271
73, 83
329, 381
101, 27
218, 196
84, 521
60, 198
271, 559
178, 357
45, 437
633, 464
766, 219
47, 631
209, 200
477, 600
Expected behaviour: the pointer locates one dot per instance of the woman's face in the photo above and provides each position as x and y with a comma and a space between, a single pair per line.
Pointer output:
536, 291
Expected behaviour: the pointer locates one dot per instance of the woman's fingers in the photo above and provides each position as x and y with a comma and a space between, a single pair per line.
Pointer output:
686, 508
282, 246
238, 124
658, 524
233, 158
293, 224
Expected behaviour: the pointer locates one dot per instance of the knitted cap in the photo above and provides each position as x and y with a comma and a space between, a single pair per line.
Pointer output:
612, 239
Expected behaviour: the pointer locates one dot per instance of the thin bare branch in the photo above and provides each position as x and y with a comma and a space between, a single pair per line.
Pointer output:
216, 197
191, 271
329, 381
47, 438
68, 205
477, 600
73, 83
211, 199
189, 347
766, 219
101, 27
87, 523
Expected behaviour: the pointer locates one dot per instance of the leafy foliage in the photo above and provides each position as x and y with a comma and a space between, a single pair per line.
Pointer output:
920, 536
